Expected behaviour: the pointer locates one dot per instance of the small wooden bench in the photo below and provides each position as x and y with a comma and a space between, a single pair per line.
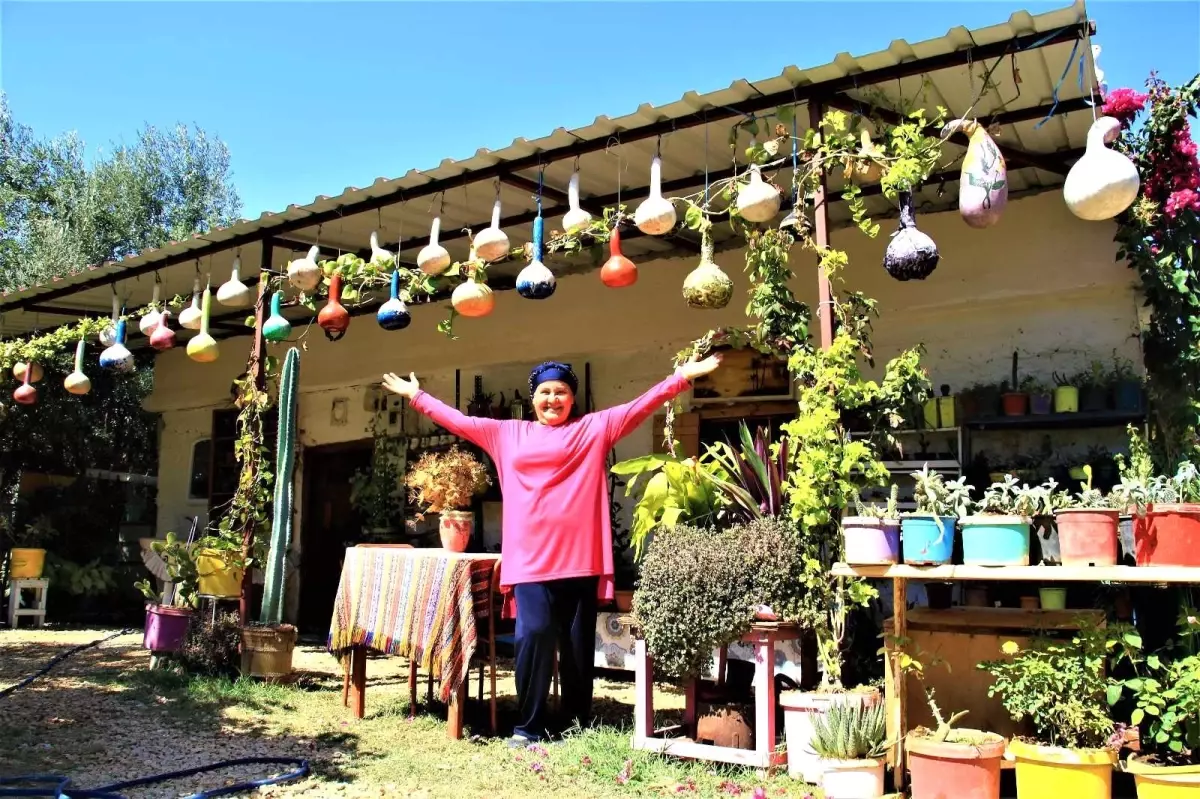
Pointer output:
37, 609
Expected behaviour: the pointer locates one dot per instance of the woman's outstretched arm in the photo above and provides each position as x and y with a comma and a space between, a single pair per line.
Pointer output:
621, 420
482, 432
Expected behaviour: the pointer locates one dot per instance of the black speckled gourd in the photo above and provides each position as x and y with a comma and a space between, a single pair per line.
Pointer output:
910, 255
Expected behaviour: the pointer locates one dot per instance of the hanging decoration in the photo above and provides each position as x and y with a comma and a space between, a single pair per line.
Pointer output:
536, 281
618, 271
491, 243
1104, 182
276, 327
473, 298
19, 372
433, 258
758, 201
303, 273
334, 318
117, 357
793, 222
108, 335
910, 255
233, 292
393, 314
149, 320
706, 286
25, 393
202, 348
379, 255
656, 215
77, 382
163, 337
983, 182
575, 219
190, 316
867, 169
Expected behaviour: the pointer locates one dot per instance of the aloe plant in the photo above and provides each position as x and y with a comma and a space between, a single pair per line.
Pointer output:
850, 731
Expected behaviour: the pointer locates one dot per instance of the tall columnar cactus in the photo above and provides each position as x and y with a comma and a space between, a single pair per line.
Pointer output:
285, 463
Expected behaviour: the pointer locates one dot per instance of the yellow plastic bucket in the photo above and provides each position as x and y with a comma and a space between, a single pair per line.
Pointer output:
215, 576
1053, 772
1164, 782
939, 412
27, 564
1066, 399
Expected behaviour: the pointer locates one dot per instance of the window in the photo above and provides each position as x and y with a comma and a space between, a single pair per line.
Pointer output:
201, 462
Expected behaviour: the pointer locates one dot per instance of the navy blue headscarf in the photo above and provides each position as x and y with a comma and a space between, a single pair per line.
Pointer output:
552, 370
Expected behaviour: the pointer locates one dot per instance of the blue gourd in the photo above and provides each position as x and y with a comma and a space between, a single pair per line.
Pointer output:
276, 328
393, 314
536, 281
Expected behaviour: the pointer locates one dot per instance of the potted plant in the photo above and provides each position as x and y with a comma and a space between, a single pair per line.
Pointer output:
1126, 386
872, 535
1087, 528
167, 618
1013, 395
1171, 534
1041, 396
220, 564
377, 491
1060, 685
929, 532
445, 483
849, 738
947, 761
1066, 394
1094, 388
997, 534
938, 412
27, 546
980, 401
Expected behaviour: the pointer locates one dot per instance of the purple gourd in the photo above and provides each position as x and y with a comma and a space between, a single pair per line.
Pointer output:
983, 182
910, 255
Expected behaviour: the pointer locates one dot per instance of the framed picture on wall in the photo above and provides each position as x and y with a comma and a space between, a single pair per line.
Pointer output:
745, 375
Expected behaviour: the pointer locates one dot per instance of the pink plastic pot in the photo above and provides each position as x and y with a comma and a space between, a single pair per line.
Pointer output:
166, 628
871, 541
1087, 537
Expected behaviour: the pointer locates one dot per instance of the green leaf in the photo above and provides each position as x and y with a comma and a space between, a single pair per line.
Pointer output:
693, 217
1114, 694
1136, 717
1180, 276
1154, 662
1133, 639
785, 113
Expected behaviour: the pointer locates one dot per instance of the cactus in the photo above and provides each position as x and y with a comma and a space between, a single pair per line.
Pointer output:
944, 726
850, 731
285, 463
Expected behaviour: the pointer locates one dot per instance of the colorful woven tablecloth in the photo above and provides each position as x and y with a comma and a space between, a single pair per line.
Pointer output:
416, 603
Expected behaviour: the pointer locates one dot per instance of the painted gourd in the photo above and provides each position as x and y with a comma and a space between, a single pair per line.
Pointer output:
706, 286
276, 328
433, 258
618, 271
163, 337
910, 255
575, 219
656, 215
37, 372
117, 358
191, 316
334, 318
983, 182
149, 321
25, 393
758, 201
233, 292
536, 282
303, 273
1104, 182
109, 334
380, 256
473, 299
393, 314
491, 243
77, 382
202, 348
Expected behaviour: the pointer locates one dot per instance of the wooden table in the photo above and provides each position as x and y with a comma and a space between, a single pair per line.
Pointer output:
410, 602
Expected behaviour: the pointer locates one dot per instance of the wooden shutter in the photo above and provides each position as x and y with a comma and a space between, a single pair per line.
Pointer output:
687, 433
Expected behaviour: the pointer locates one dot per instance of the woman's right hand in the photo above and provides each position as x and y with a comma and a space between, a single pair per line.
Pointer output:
398, 385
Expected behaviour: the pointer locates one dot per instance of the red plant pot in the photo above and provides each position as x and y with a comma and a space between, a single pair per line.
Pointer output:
1088, 537
941, 770
166, 628
1169, 535
1015, 403
455, 528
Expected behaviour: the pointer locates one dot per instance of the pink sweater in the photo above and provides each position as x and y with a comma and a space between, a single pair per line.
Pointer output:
554, 480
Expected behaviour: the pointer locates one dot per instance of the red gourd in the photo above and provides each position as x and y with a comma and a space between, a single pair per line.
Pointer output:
334, 318
618, 271
163, 337
25, 393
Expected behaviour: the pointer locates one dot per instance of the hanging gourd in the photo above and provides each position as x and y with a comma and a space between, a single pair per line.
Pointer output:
393, 314
149, 320
77, 382
25, 393
380, 256
117, 357
1104, 182
334, 318
276, 328
109, 334
303, 273
983, 182
491, 243
202, 348
163, 337
758, 200
536, 281
575, 219
910, 255
433, 258
618, 271
190, 317
706, 286
19, 372
656, 215
233, 292
865, 167
473, 298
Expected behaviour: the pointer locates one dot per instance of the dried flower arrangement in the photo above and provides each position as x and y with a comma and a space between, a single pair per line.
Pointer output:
446, 480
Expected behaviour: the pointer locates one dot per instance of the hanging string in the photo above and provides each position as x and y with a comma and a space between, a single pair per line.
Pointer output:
706, 159
1057, 86
795, 161
541, 183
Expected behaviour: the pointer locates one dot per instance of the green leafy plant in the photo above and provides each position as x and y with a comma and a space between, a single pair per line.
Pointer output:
80, 579
889, 511
935, 496
1009, 498
377, 490
34, 535
850, 730
180, 564
676, 491
756, 472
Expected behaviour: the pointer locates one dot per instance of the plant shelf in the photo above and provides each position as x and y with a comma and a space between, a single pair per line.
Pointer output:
1058, 421
1050, 574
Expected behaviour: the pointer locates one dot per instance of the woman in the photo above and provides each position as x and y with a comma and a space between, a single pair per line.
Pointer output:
557, 538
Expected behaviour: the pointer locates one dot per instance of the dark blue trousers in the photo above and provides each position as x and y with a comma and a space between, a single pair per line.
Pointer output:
558, 614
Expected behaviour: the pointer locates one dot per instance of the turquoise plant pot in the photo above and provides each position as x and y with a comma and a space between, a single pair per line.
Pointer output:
927, 540
995, 541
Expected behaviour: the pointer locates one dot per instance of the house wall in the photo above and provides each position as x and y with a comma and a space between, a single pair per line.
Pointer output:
1041, 282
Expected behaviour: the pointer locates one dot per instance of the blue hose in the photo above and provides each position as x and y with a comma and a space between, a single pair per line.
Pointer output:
59, 658
59, 787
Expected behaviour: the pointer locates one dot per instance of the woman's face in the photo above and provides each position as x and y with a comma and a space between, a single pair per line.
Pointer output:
552, 402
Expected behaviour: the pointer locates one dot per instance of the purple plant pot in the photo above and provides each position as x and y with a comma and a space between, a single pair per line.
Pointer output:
871, 541
1041, 404
166, 628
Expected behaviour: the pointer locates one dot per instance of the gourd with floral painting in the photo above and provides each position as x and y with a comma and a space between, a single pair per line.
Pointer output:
303, 273
706, 286
575, 219
36, 374
491, 243
117, 357
149, 320
758, 201
393, 314
536, 281
1104, 182
910, 255
334, 318
77, 382
191, 316
163, 337
25, 393
233, 292
202, 348
433, 258
618, 271
656, 215
983, 182
276, 327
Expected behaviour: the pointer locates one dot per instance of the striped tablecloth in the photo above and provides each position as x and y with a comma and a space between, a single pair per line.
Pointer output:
416, 603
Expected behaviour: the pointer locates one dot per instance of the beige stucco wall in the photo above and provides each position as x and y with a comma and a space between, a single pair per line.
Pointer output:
1042, 282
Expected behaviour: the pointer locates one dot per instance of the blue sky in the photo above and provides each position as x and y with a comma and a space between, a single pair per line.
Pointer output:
314, 97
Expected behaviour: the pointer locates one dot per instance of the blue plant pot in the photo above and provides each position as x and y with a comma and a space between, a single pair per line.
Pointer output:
927, 540
995, 541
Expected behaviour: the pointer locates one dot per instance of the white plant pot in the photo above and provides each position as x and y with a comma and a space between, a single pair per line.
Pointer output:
799, 709
852, 779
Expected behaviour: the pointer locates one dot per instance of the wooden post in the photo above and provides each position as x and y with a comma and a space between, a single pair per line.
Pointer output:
257, 367
821, 237
358, 681
900, 679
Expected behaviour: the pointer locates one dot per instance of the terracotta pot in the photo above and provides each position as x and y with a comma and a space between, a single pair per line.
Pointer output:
1168, 536
166, 628
1087, 537
1029, 603
455, 528
623, 601
976, 597
1016, 403
942, 770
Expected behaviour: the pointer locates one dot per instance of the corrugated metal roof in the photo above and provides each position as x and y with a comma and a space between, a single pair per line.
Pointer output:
1030, 80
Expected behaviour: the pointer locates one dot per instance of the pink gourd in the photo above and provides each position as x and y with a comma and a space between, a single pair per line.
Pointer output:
163, 337
25, 393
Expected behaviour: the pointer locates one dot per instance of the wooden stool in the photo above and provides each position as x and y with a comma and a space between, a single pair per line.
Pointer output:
37, 610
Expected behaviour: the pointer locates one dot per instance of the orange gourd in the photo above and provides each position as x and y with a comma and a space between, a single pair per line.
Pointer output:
334, 318
618, 271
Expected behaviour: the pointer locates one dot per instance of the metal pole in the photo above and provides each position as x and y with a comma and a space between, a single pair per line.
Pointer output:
821, 237
258, 369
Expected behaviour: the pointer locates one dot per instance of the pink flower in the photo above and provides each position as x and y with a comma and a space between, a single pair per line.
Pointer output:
731, 788
1123, 104
1184, 199
537, 767
585, 761
760, 793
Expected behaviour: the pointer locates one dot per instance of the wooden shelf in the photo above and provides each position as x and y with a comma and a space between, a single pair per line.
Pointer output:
997, 618
1049, 574
1052, 421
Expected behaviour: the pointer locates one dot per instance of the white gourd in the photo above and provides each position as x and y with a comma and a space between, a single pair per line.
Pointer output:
233, 292
656, 215
491, 243
1104, 182
758, 201
108, 336
303, 273
433, 258
575, 219
379, 255
189, 317
148, 323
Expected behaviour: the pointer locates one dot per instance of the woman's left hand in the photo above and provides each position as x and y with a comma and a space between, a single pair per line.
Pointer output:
695, 367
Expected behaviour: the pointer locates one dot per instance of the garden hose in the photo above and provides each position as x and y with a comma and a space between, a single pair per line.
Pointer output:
285, 463
59, 787
59, 658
